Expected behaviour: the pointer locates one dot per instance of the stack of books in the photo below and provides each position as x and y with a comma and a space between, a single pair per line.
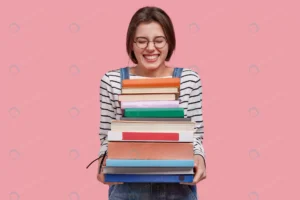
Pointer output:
152, 142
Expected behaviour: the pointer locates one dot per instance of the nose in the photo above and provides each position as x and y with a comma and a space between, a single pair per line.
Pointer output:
151, 46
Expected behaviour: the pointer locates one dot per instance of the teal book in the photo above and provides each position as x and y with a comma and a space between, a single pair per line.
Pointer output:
154, 112
148, 163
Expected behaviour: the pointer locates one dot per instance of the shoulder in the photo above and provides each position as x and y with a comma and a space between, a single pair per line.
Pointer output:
111, 76
189, 76
112, 73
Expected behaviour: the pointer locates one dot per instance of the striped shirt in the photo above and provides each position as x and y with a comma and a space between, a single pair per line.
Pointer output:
190, 99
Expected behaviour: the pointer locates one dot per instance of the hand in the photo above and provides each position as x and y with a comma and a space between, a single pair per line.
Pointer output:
199, 168
101, 178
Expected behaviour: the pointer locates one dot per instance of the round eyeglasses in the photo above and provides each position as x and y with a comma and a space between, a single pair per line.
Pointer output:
143, 43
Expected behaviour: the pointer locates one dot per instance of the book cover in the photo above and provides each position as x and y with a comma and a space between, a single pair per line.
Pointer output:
154, 112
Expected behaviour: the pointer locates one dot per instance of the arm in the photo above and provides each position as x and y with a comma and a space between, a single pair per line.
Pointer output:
107, 112
194, 111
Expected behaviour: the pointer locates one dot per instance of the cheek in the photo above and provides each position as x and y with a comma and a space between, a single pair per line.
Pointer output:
165, 52
137, 52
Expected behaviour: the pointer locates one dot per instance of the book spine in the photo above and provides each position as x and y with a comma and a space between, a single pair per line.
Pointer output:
150, 150
148, 163
140, 126
155, 119
147, 97
151, 83
151, 136
148, 170
138, 178
150, 104
154, 112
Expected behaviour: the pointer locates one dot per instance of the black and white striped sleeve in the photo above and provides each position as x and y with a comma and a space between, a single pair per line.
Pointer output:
107, 112
194, 111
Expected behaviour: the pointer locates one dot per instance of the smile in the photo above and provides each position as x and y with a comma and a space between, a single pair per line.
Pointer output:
151, 57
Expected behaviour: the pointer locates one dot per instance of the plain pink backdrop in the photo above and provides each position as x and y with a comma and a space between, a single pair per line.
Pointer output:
54, 53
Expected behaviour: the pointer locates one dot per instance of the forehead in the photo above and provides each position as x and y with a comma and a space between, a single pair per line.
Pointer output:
149, 30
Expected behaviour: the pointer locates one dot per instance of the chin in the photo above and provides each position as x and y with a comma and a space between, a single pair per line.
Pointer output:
151, 66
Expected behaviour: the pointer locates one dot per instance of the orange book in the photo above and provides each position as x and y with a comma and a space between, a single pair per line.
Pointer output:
151, 83
151, 150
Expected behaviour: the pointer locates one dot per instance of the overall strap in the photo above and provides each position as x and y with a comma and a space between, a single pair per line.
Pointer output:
124, 72
177, 72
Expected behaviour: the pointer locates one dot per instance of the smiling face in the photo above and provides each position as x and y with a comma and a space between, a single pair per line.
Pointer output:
151, 57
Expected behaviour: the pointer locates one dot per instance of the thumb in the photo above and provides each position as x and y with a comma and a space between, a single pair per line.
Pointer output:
197, 175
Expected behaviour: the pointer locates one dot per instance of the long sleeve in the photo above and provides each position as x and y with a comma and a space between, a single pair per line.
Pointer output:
107, 112
194, 111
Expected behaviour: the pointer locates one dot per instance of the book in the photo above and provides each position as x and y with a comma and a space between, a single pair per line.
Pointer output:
187, 136
151, 83
152, 126
154, 112
150, 104
153, 119
145, 90
148, 170
148, 163
148, 97
150, 150
152, 141
146, 178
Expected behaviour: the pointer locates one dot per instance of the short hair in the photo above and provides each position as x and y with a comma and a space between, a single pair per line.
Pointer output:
150, 14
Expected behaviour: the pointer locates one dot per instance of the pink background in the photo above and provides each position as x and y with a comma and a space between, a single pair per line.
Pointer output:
54, 53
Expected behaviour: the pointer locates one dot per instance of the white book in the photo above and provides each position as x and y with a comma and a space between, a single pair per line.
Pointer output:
155, 90
152, 126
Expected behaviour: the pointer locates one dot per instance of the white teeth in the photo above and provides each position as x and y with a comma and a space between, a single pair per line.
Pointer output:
151, 57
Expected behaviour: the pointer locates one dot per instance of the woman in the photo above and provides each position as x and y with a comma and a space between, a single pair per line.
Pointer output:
151, 42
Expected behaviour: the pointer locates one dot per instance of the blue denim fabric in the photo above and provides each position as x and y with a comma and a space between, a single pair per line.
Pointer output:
152, 191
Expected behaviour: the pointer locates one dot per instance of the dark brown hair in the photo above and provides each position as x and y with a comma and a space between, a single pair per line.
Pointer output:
146, 15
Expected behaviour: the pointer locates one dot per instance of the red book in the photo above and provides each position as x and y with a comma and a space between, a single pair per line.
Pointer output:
150, 136
186, 136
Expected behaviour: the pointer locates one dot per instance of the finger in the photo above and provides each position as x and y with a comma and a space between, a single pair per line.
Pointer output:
203, 176
113, 183
198, 174
187, 183
100, 177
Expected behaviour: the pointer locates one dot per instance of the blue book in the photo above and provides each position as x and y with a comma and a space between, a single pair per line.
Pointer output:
146, 178
149, 163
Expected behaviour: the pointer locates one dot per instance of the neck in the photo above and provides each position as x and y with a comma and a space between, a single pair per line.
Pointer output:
162, 70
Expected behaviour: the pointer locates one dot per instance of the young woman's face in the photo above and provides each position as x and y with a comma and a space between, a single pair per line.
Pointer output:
154, 55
